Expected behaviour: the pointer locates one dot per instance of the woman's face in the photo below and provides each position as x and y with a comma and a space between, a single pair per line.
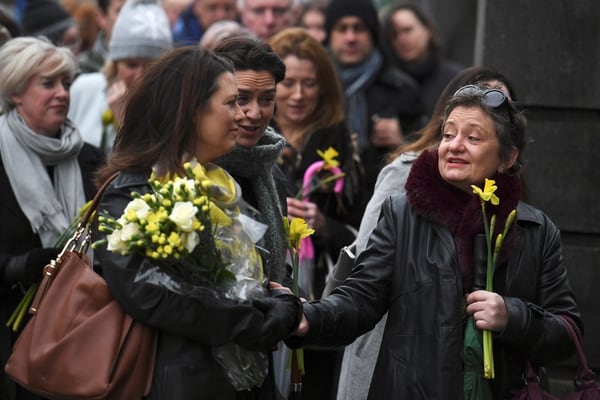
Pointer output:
470, 150
44, 103
217, 125
411, 37
257, 101
130, 70
297, 95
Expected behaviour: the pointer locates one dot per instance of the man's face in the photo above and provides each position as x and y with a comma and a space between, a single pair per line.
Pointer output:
264, 18
211, 11
350, 41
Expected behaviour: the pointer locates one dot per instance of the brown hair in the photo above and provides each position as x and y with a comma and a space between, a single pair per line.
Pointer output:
158, 128
297, 42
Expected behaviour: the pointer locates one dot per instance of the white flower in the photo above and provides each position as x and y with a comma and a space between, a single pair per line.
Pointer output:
129, 231
116, 243
190, 240
188, 184
138, 207
184, 215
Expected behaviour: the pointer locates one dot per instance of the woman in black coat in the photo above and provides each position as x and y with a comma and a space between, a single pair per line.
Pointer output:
46, 172
420, 266
185, 108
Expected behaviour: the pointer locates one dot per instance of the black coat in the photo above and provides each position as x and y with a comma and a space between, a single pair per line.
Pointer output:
17, 237
188, 327
393, 94
410, 270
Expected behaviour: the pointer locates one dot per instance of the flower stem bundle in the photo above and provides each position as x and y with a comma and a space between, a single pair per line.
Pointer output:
485, 195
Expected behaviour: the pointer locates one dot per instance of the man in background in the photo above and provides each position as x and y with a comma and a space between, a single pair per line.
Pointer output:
383, 104
264, 18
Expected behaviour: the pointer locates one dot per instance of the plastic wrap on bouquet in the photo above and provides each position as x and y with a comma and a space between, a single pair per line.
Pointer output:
244, 368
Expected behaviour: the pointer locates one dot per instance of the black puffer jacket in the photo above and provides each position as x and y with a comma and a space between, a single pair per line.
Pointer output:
410, 268
188, 327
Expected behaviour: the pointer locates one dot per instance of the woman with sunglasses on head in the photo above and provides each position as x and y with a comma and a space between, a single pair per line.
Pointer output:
360, 356
419, 265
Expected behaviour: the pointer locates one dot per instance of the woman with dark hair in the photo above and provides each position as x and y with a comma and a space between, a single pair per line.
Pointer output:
185, 108
419, 265
411, 37
360, 356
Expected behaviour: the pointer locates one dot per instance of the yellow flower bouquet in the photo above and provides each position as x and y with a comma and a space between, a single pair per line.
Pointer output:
200, 237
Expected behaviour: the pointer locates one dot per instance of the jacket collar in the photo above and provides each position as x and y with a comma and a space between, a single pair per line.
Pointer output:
434, 199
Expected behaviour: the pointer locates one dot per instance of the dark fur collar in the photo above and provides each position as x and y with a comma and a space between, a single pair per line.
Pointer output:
436, 200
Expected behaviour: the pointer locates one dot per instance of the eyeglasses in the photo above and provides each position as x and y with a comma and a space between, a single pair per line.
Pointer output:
491, 97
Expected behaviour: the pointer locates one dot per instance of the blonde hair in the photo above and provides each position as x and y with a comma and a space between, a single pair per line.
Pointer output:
22, 58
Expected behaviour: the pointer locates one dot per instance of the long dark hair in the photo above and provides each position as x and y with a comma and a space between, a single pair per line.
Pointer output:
158, 128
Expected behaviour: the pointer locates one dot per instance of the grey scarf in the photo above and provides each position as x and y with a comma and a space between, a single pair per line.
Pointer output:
26, 155
355, 80
257, 163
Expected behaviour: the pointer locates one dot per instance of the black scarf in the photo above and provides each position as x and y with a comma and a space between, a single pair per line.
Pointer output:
438, 201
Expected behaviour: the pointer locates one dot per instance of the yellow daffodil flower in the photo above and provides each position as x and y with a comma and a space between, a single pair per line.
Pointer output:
487, 194
329, 156
297, 230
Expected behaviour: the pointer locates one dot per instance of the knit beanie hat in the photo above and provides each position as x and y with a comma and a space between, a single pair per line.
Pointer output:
363, 9
141, 30
46, 18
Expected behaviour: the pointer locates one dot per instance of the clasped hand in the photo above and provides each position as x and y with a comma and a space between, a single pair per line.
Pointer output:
488, 310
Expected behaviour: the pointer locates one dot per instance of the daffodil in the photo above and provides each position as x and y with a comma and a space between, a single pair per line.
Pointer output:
328, 157
296, 230
493, 250
487, 194
314, 178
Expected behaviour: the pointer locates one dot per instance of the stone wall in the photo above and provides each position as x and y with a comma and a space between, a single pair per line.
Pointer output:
550, 50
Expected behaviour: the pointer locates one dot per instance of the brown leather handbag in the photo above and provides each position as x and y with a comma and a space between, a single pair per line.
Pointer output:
79, 344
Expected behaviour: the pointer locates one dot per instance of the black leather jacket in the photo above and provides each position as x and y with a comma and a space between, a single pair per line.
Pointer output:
410, 269
188, 327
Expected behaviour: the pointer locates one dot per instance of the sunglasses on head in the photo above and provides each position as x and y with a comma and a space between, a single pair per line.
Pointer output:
491, 97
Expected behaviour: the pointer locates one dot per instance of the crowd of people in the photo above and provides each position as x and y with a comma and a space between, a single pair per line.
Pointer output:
269, 97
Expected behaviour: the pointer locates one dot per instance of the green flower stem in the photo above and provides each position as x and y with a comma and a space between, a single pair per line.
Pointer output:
488, 352
297, 357
17, 316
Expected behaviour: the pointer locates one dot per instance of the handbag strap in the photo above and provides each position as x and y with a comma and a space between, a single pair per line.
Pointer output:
584, 373
52, 267
96, 200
